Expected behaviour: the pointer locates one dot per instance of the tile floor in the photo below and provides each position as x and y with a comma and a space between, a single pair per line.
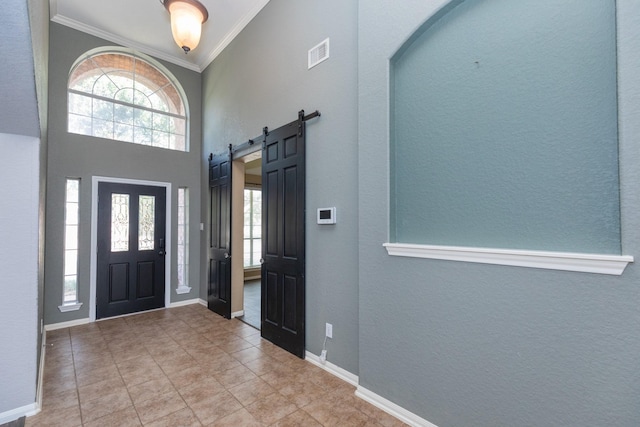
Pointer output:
187, 366
252, 300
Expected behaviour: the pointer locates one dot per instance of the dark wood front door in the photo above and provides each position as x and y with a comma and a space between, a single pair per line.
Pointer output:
219, 289
283, 238
131, 248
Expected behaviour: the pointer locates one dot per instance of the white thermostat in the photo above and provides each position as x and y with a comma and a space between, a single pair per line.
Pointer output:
327, 215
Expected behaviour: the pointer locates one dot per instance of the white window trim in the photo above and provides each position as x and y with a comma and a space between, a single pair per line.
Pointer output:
70, 307
565, 261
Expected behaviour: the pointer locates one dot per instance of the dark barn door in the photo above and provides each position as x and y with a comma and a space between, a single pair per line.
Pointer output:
219, 291
283, 240
131, 248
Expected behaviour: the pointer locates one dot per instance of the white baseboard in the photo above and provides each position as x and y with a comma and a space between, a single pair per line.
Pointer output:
62, 325
332, 369
202, 302
183, 303
392, 409
14, 414
237, 314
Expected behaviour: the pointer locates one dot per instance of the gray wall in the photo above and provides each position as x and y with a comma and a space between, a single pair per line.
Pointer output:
19, 167
464, 344
80, 156
261, 79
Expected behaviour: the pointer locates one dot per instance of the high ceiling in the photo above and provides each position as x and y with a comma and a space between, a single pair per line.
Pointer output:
144, 25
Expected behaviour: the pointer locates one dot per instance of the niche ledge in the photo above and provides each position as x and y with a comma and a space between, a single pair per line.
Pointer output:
566, 261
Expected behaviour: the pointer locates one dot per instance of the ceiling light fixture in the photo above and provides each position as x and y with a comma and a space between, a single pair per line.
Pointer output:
187, 17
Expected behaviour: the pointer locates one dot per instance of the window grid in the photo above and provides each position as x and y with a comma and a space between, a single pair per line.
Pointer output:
183, 237
71, 225
131, 102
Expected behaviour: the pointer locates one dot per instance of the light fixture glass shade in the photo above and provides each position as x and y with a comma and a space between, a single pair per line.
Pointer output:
187, 17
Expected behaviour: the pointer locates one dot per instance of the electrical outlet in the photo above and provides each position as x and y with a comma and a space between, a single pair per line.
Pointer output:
323, 356
329, 330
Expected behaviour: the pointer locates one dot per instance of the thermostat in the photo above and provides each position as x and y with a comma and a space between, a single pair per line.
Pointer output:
327, 215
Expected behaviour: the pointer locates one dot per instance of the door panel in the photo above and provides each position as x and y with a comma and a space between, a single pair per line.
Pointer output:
283, 268
219, 290
131, 264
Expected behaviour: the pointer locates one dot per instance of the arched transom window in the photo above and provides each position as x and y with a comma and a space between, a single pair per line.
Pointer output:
120, 96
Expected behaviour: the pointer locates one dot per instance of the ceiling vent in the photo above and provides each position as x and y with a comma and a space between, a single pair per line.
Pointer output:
318, 53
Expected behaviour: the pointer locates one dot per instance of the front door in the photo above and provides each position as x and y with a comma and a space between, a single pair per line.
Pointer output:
219, 289
283, 238
131, 248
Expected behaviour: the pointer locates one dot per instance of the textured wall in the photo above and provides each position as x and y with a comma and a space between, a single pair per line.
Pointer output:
72, 155
466, 344
261, 79
19, 167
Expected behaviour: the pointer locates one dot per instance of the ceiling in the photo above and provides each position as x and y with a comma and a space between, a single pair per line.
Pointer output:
145, 25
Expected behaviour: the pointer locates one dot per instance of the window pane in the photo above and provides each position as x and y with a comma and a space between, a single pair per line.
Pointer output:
72, 190
70, 262
160, 139
146, 223
79, 104
71, 214
71, 237
104, 87
123, 114
79, 124
102, 110
123, 132
119, 222
102, 129
70, 289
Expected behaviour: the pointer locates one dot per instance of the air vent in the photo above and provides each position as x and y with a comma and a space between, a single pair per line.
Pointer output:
319, 53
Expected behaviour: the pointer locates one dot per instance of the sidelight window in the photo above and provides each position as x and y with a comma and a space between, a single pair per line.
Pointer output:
183, 240
71, 228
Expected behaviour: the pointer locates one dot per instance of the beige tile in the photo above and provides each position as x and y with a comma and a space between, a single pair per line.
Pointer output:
182, 418
86, 376
262, 365
150, 390
215, 407
69, 417
201, 390
302, 392
188, 376
142, 375
234, 376
252, 390
219, 363
59, 385
272, 408
298, 418
177, 363
234, 345
247, 355
239, 418
127, 417
160, 406
60, 400
101, 388
105, 405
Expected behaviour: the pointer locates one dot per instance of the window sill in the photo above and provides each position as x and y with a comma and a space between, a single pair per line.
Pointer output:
70, 307
565, 261
183, 290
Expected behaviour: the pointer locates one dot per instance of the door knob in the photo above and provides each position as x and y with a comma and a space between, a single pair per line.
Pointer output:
261, 260
226, 255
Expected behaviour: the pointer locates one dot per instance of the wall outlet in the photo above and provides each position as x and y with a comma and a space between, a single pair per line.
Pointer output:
323, 356
329, 330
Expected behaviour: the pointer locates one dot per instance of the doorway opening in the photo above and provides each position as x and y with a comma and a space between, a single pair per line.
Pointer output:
252, 241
